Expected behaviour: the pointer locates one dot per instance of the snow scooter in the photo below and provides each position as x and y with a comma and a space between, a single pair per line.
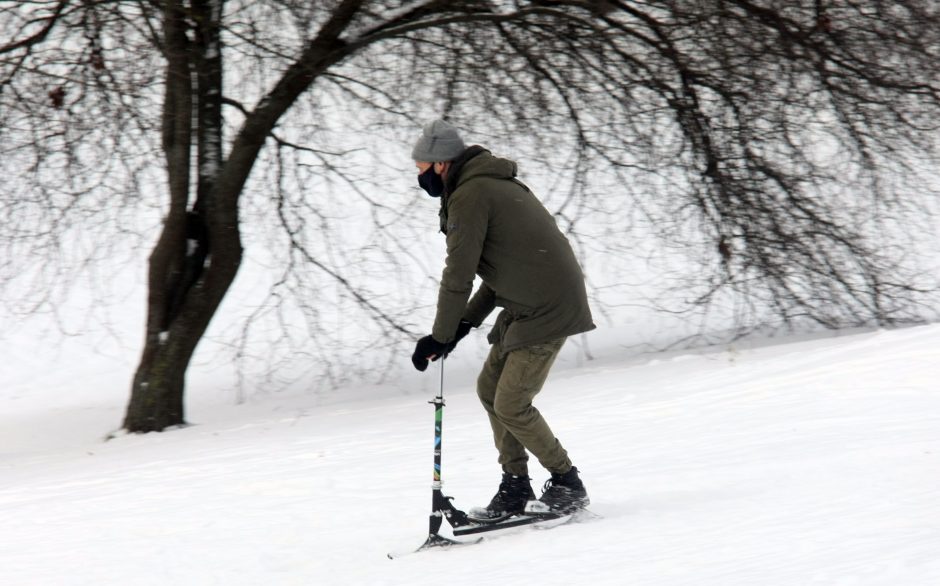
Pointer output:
442, 508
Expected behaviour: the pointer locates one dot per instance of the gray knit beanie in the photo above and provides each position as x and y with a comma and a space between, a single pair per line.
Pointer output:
439, 141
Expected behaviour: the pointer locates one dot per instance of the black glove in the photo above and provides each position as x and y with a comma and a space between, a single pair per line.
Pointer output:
427, 348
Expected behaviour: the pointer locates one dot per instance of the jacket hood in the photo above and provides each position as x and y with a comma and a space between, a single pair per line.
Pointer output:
476, 161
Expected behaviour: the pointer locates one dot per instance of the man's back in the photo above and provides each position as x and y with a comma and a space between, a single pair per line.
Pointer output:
499, 230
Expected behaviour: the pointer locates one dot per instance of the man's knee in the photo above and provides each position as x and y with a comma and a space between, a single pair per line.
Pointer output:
486, 388
508, 408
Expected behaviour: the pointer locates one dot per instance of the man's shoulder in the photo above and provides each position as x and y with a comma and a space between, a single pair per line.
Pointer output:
469, 198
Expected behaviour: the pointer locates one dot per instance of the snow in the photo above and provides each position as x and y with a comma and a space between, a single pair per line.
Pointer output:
811, 462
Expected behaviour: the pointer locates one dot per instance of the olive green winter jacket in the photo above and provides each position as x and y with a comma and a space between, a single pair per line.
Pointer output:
496, 228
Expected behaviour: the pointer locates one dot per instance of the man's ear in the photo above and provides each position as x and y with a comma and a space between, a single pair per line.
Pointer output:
441, 168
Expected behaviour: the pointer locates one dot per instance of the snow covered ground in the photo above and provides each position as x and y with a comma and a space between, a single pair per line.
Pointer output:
814, 462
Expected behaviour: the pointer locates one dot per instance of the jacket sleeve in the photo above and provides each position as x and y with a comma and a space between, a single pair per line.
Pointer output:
480, 306
468, 218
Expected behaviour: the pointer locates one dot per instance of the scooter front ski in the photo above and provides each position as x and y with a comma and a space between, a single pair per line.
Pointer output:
434, 542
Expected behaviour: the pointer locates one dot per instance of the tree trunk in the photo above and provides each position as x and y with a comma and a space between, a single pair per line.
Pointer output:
184, 292
157, 394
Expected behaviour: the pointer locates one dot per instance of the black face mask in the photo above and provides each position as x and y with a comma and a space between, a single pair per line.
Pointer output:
431, 182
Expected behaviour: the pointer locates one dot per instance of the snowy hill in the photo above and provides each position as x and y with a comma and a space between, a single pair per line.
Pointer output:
807, 463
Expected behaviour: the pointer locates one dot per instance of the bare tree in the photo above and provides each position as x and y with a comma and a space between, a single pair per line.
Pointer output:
784, 144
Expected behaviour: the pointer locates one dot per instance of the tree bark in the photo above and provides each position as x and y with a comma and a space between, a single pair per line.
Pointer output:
184, 290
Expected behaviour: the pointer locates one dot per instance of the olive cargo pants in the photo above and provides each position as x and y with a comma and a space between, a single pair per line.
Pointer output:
506, 386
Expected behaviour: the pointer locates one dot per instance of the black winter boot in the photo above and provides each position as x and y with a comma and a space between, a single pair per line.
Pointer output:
511, 498
562, 494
